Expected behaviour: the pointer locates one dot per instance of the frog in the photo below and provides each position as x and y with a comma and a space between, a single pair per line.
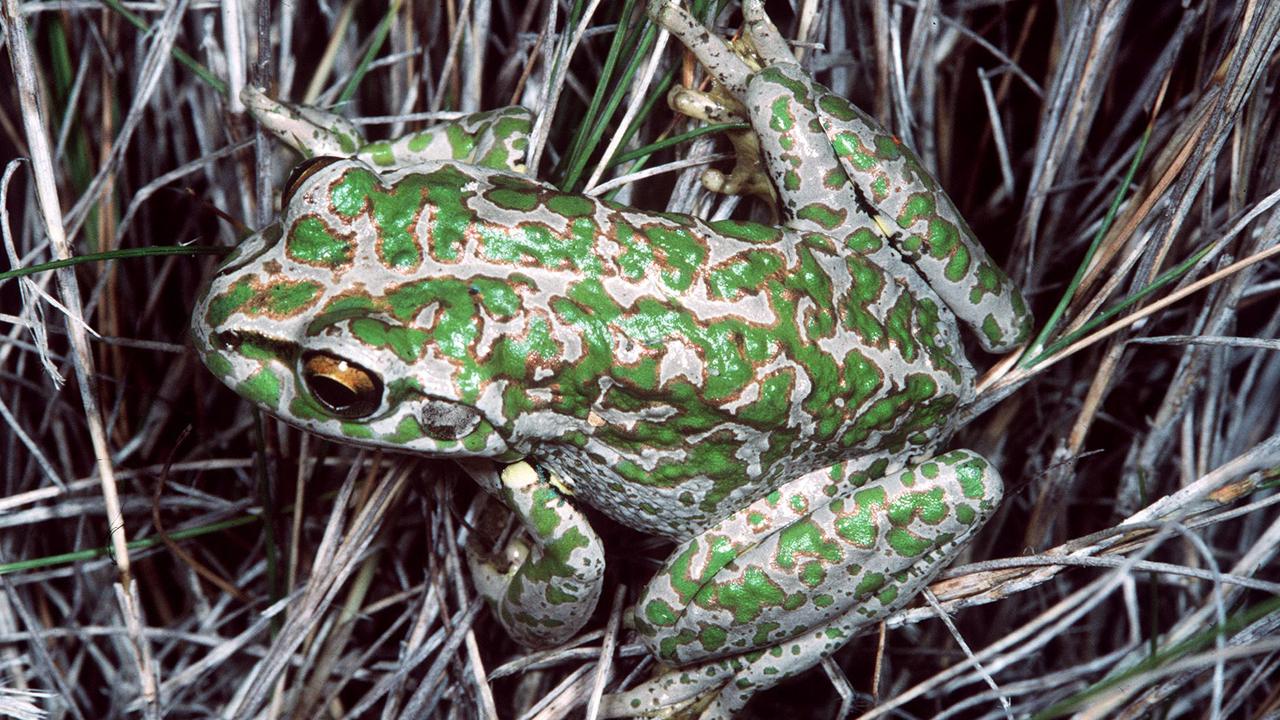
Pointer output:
773, 398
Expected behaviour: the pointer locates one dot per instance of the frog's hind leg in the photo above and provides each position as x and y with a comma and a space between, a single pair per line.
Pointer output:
916, 217
779, 101
784, 582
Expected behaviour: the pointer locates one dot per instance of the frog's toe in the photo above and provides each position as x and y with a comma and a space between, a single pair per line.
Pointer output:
765, 38
707, 107
720, 689
696, 692
725, 65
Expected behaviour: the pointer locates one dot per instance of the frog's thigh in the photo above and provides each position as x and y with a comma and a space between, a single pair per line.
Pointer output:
778, 586
496, 139
810, 179
927, 228
781, 567
546, 592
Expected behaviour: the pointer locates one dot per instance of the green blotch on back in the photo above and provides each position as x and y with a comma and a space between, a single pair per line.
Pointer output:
898, 327
350, 194
636, 256
868, 285
822, 215
571, 206
908, 402
774, 403
263, 387
461, 142
456, 325
395, 210
446, 194
339, 309
744, 275
860, 527
804, 538
405, 342
284, 298
535, 244
749, 231
218, 364
682, 255
744, 598
221, 306
642, 375
311, 241
518, 199
906, 544
930, 507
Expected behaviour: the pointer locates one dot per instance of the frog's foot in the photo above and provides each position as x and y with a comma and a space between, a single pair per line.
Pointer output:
784, 582
311, 131
724, 64
719, 689
544, 592
496, 139
748, 176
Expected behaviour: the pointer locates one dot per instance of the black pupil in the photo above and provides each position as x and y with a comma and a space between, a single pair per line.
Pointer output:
331, 392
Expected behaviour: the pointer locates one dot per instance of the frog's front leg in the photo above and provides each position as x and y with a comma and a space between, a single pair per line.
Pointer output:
544, 593
779, 585
496, 139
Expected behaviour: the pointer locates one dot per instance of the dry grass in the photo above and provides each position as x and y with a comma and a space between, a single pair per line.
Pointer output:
1131, 571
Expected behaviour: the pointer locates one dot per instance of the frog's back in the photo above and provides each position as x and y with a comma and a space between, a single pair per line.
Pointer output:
668, 368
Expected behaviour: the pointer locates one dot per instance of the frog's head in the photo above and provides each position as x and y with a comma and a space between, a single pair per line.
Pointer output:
330, 321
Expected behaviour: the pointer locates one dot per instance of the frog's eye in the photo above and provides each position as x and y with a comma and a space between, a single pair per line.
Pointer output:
302, 171
342, 387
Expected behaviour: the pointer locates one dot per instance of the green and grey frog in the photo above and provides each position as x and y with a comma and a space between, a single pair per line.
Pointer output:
773, 399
